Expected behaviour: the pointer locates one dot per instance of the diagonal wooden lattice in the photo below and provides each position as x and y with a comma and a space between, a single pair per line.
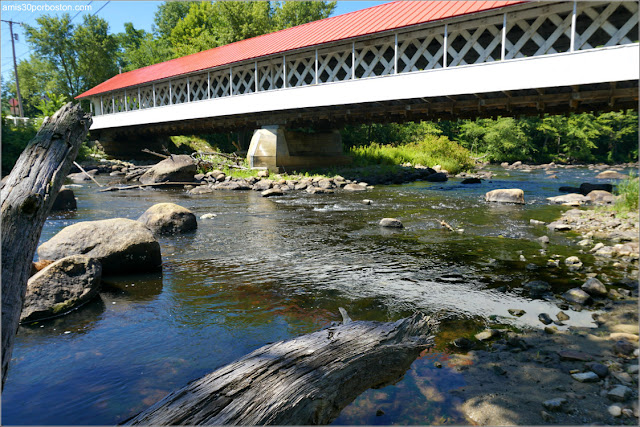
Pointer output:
539, 33
198, 87
132, 99
334, 66
606, 24
219, 84
118, 101
482, 44
417, 54
301, 71
107, 104
179, 91
377, 60
270, 75
162, 94
146, 97
243, 80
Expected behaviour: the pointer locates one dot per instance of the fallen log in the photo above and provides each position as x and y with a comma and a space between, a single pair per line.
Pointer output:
27, 197
155, 184
305, 380
162, 156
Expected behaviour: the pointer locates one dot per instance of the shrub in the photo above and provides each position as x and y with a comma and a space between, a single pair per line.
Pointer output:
627, 192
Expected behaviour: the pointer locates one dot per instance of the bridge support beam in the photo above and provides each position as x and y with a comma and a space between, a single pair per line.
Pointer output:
279, 149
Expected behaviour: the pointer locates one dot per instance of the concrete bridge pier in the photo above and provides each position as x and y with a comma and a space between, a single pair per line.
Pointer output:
279, 149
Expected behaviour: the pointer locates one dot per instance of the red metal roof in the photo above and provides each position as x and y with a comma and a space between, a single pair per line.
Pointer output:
388, 16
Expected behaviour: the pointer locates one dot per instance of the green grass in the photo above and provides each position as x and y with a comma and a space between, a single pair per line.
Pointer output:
191, 143
627, 192
431, 151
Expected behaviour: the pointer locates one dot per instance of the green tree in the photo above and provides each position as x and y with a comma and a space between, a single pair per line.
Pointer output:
52, 103
291, 13
96, 52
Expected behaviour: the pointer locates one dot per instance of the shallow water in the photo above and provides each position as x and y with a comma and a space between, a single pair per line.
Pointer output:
269, 269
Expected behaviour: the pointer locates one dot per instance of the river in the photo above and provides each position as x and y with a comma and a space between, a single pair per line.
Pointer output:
269, 269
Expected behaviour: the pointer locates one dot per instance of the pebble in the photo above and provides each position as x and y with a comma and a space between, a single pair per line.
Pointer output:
555, 405
594, 287
550, 329
576, 295
615, 410
544, 318
573, 262
598, 368
208, 216
516, 312
562, 316
379, 413
437, 365
624, 348
536, 222
586, 377
619, 393
487, 334
367, 202
391, 223
543, 239
633, 369
546, 417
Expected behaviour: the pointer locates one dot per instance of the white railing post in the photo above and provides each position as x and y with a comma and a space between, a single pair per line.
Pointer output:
395, 54
316, 66
91, 106
101, 106
126, 103
208, 84
188, 90
113, 104
572, 46
230, 81
153, 85
503, 49
255, 76
353, 60
284, 71
170, 94
446, 42
139, 99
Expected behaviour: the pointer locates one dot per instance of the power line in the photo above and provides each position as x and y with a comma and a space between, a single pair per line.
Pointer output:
101, 8
79, 12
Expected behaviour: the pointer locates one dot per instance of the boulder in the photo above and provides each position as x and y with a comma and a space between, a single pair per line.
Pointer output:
318, 190
65, 200
471, 181
354, 187
168, 218
576, 295
121, 245
202, 189
272, 192
586, 188
506, 195
573, 198
390, 223
594, 287
437, 177
233, 185
61, 287
611, 175
263, 185
180, 168
601, 197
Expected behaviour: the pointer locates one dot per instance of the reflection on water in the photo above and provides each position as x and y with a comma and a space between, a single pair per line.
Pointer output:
268, 269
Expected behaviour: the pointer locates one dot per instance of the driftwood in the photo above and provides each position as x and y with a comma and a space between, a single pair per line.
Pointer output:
157, 184
85, 172
447, 226
27, 197
146, 150
306, 380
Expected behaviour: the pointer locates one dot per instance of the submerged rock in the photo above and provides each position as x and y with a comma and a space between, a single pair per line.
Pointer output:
168, 218
61, 287
121, 245
505, 195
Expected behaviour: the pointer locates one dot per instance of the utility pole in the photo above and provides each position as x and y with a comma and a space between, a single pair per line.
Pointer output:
15, 65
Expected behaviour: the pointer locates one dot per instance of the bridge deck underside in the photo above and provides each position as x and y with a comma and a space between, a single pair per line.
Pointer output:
599, 97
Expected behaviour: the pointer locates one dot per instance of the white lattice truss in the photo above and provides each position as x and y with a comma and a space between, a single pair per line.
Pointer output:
531, 30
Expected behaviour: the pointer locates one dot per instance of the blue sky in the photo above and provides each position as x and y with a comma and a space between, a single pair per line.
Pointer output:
115, 12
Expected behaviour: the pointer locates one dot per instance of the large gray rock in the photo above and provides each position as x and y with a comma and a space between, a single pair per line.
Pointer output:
506, 195
168, 218
180, 168
601, 197
121, 245
594, 287
65, 200
354, 187
576, 295
61, 287
573, 198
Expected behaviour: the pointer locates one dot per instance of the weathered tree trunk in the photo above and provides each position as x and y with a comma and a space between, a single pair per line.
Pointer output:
27, 197
306, 380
